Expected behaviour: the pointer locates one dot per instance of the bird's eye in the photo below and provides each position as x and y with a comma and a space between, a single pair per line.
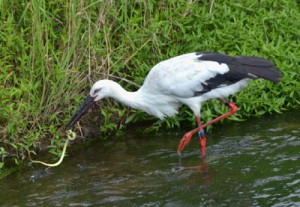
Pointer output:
97, 90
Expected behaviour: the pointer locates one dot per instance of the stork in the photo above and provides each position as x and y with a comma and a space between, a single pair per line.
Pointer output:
189, 79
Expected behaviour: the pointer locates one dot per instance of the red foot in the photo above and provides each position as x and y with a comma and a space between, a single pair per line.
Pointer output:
187, 137
185, 140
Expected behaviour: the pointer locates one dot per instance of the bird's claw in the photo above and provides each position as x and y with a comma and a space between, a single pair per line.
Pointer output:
183, 142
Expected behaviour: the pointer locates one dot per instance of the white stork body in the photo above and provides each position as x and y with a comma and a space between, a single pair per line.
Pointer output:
175, 81
188, 79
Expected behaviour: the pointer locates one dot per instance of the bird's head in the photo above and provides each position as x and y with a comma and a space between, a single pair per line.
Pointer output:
102, 89
99, 90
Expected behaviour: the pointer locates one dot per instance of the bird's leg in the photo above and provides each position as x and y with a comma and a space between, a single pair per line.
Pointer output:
187, 137
202, 137
233, 110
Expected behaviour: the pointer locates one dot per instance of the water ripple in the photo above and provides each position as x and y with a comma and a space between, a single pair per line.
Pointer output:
252, 163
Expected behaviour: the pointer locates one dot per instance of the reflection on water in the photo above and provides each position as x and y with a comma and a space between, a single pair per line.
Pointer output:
252, 163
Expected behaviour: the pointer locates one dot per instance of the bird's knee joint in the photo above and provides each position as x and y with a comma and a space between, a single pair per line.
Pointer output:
233, 107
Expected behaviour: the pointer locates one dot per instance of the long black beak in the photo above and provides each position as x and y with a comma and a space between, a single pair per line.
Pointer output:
88, 103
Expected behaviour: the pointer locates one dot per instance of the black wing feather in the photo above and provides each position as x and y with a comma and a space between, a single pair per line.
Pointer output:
245, 66
239, 68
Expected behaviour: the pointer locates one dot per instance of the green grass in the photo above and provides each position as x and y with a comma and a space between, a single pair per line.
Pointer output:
51, 53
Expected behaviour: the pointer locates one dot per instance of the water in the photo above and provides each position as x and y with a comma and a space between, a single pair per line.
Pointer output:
251, 163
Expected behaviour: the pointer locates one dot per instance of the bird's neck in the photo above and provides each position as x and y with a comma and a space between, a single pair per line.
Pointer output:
155, 104
131, 99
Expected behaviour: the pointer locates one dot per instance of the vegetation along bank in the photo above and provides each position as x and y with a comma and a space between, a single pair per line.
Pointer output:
52, 51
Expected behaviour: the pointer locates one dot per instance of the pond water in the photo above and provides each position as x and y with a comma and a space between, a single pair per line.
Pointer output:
251, 163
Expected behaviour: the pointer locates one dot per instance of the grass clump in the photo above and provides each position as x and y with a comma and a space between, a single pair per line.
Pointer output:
51, 52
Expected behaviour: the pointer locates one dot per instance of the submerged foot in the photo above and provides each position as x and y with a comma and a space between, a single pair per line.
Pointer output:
184, 141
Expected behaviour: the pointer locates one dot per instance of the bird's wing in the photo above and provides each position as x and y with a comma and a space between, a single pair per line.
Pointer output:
245, 66
184, 76
194, 74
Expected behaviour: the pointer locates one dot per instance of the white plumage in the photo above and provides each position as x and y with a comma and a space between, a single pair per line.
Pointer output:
188, 79
170, 84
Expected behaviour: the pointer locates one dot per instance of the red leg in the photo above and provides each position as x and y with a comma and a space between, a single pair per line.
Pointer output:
202, 137
187, 137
